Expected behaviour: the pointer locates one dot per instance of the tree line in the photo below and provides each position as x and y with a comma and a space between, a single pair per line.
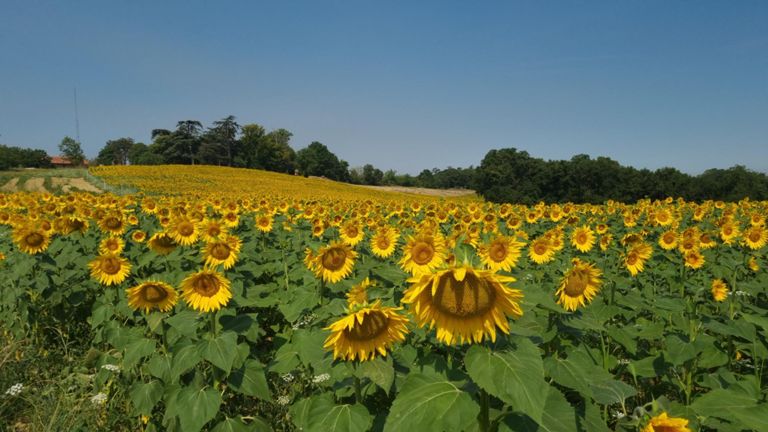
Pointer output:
13, 157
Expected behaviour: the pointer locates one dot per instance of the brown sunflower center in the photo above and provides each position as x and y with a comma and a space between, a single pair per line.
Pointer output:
220, 251
498, 251
206, 285
468, 298
185, 228
110, 265
334, 259
165, 241
352, 231
382, 242
668, 238
540, 248
632, 258
214, 231
755, 236
577, 283
422, 252
34, 239
374, 323
154, 293
113, 245
263, 222
112, 222
581, 238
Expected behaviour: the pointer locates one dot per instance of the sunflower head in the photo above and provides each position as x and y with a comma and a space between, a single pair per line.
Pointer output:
184, 230
465, 304
110, 269
30, 239
719, 290
222, 252
423, 253
579, 285
583, 239
111, 245
664, 423
162, 243
358, 294
501, 253
206, 290
384, 242
332, 263
365, 332
541, 250
152, 295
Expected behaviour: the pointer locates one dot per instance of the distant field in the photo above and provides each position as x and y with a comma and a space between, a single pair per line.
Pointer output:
61, 180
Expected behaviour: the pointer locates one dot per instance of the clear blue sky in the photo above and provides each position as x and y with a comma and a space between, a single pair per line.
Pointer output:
403, 85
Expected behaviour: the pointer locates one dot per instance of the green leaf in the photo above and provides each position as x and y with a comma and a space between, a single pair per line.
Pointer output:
286, 359
301, 300
611, 391
237, 425
250, 380
159, 366
221, 351
577, 371
320, 414
185, 322
183, 360
137, 350
516, 377
558, 416
145, 396
309, 345
380, 371
431, 403
197, 407
679, 350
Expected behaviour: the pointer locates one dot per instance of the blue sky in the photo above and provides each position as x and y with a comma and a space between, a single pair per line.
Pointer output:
400, 84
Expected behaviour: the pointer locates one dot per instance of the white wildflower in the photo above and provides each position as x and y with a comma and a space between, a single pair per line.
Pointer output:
317, 379
111, 367
287, 377
15, 389
99, 399
284, 400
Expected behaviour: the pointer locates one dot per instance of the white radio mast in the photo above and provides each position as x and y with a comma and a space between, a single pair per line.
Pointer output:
77, 120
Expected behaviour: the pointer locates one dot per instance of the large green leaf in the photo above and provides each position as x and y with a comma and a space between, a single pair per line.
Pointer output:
309, 345
611, 391
257, 424
185, 322
137, 350
431, 403
577, 371
184, 359
250, 380
380, 371
197, 407
145, 396
320, 414
221, 350
515, 376
733, 404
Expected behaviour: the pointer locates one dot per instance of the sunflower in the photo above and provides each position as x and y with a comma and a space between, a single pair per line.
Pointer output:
729, 232
668, 240
634, 261
212, 229
583, 239
368, 331
222, 252
31, 240
152, 294
719, 290
755, 237
541, 251
579, 285
423, 253
111, 245
605, 241
109, 269
663, 217
351, 233
384, 242
358, 294
112, 223
662, 423
465, 304
694, 259
264, 222
332, 263
501, 253
162, 243
753, 264
206, 290
184, 231
138, 236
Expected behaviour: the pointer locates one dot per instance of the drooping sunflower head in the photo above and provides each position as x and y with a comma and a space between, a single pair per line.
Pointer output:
634, 262
423, 253
334, 262
222, 252
465, 304
579, 285
501, 253
366, 332
152, 295
206, 290
719, 290
162, 243
606, 240
109, 269
113, 223
31, 239
358, 294
583, 239
753, 264
664, 423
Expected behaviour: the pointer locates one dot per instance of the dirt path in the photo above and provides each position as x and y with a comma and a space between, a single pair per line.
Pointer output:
10, 186
35, 184
67, 184
424, 191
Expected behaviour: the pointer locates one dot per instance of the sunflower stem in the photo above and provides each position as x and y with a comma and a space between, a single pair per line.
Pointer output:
484, 419
358, 391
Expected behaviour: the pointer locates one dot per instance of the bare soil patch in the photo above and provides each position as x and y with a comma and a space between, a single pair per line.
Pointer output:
10, 186
36, 184
68, 183
448, 193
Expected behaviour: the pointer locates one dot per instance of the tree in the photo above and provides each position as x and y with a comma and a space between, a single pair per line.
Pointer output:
115, 152
142, 154
72, 151
372, 175
317, 160
224, 134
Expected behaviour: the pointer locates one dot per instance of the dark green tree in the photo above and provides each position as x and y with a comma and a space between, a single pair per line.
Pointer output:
72, 150
317, 160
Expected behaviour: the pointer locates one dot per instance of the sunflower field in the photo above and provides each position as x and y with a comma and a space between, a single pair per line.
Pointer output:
235, 300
